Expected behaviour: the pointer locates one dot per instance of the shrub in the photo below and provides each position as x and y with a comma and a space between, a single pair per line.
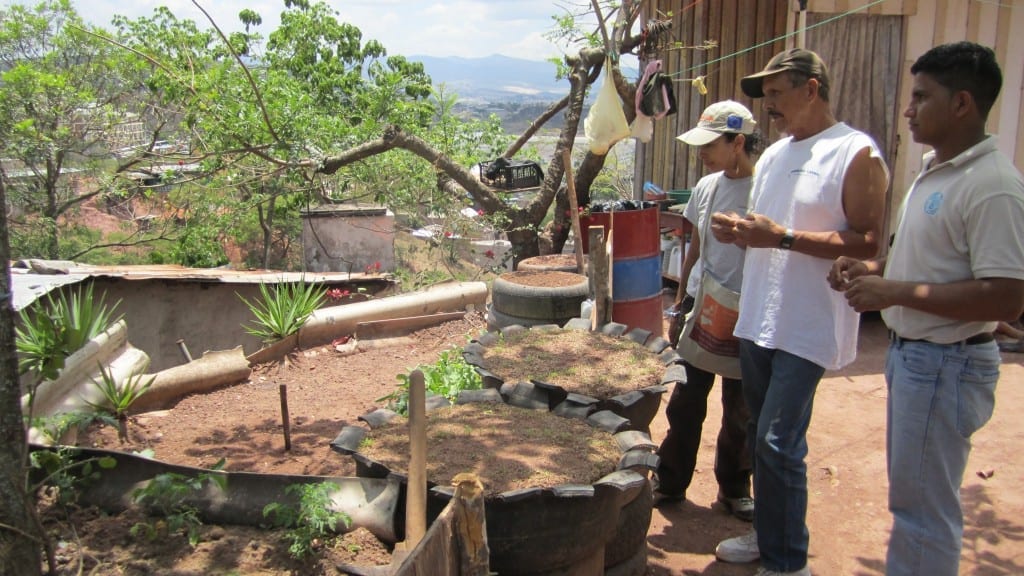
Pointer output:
447, 377
310, 521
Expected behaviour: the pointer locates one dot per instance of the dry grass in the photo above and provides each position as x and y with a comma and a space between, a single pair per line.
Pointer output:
587, 363
509, 448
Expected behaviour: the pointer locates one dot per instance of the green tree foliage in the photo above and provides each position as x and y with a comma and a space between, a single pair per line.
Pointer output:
64, 96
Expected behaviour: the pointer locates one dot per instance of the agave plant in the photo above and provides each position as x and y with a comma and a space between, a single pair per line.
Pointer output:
53, 328
117, 400
282, 309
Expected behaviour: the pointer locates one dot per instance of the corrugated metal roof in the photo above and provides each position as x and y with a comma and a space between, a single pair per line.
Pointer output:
28, 285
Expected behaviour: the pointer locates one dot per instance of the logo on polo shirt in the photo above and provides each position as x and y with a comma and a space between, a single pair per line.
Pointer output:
933, 203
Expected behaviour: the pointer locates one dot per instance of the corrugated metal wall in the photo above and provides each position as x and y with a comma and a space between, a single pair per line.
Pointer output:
735, 25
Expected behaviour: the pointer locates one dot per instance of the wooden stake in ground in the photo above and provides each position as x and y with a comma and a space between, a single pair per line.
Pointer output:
574, 209
598, 273
471, 525
283, 390
416, 499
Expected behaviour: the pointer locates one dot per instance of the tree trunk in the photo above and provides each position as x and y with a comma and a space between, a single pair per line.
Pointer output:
52, 242
19, 538
267, 226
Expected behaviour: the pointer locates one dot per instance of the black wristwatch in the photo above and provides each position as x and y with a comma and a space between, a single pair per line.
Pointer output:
787, 240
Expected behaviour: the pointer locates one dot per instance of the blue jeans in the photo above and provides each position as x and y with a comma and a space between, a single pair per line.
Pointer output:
938, 396
779, 388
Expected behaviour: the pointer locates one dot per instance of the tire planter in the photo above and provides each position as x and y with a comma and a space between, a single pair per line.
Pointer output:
546, 531
550, 263
498, 320
638, 407
549, 296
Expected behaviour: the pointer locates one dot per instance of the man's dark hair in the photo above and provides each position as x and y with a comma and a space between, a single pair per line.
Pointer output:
964, 66
797, 78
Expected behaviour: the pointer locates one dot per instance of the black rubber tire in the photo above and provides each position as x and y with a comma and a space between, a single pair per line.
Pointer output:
635, 565
497, 320
549, 303
630, 534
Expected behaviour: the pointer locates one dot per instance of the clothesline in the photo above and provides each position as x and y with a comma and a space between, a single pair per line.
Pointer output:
768, 42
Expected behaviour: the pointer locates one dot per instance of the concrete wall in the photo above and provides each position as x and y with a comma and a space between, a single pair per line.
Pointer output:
349, 239
206, 315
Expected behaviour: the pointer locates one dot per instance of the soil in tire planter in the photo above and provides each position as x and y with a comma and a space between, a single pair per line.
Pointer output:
588, 363
509, 448
550, 262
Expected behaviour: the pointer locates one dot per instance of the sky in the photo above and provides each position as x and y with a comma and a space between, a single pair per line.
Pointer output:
464, 28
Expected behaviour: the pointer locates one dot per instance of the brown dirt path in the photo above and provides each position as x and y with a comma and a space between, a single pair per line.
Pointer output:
847, 515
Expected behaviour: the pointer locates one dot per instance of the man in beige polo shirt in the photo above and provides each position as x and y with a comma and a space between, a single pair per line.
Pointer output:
956, 267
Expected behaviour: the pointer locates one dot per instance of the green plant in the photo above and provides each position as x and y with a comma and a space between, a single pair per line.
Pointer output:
167, 494
53, 328
447, 377
119, 399
310, 521
64, 473
281, 310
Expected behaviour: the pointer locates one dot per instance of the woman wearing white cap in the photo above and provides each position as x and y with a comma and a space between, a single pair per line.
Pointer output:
725, 141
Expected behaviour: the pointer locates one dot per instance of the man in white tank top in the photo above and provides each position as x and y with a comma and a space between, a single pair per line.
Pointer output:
956, 268
818, 194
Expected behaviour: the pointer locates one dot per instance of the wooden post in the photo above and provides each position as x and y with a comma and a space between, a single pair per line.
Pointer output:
285, 420
471, 525
801, 26
416, 498
599, 280
574, 209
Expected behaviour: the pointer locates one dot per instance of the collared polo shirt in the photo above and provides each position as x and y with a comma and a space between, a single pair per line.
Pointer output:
962, 219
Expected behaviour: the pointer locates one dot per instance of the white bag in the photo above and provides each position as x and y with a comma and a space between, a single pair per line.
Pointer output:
606, 122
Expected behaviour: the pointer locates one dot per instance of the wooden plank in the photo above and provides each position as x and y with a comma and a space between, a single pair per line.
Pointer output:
599, 275
574, 209
727, 69
983, 27
889, 8
437, 553
471, 525
1010, 52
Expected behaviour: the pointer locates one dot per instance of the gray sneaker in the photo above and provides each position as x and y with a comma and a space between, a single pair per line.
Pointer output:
738, 550
742, 508
805, 571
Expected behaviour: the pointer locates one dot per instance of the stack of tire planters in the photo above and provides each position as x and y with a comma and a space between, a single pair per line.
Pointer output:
598, 529
534, 297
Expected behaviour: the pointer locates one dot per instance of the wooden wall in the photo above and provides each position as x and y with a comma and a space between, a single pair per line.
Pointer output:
735, 25
739, 24
995, 23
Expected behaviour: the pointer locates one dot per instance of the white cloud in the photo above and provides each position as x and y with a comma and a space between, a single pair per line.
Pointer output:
464, 28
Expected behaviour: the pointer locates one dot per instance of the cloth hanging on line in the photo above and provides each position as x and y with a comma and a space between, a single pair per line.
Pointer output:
655, 99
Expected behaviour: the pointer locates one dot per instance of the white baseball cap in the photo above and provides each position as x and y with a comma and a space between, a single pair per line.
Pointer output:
725, 117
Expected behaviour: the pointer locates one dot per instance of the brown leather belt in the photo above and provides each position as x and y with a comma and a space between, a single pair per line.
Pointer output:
982, 338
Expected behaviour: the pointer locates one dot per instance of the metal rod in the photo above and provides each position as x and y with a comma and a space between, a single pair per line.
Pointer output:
184, 350
283, 388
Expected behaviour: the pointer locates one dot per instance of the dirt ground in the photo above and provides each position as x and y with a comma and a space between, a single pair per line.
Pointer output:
848, 519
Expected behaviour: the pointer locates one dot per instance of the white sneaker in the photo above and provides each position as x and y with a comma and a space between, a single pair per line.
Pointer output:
805, 571
738, 550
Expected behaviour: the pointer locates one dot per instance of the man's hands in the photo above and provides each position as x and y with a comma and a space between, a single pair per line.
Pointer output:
752, 230
860, 283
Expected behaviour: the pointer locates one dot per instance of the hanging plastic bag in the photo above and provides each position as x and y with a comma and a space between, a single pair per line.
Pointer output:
606, 122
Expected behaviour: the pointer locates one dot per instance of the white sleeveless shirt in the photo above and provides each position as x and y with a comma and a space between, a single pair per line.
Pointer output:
786, 302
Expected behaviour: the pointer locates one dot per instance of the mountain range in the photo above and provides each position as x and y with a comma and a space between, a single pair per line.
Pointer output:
498, 78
